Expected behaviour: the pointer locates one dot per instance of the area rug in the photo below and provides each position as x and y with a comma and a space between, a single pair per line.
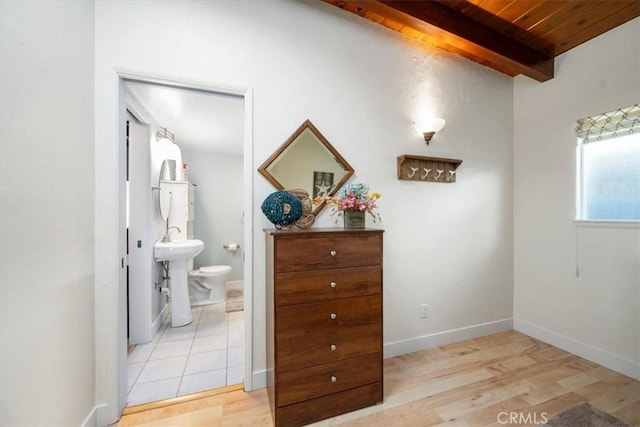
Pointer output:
235, 300
583, 415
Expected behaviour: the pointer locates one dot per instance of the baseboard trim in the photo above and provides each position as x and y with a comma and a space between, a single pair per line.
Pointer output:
579, 348
155, 325
234, 284
424, 342
259, 380
91, 420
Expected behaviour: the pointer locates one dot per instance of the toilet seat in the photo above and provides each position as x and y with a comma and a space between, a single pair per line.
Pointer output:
213, 269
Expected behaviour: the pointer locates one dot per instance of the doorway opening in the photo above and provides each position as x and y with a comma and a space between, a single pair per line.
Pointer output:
213, 138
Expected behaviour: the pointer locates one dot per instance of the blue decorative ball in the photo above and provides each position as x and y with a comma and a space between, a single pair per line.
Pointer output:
282, 208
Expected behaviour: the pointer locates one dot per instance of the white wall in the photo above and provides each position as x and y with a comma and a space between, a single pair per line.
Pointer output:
448, 245
218, 207
361, 85
594, 314
46, 167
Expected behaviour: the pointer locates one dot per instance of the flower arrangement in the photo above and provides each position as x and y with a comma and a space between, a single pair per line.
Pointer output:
354, 197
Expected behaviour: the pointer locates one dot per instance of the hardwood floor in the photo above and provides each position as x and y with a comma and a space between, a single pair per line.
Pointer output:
479, 382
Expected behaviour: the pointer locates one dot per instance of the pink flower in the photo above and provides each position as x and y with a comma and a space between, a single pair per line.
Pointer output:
353, 197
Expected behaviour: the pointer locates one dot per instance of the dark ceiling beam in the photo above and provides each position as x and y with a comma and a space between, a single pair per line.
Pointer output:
463, 33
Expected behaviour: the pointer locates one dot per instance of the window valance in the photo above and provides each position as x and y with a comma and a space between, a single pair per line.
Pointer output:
609, 125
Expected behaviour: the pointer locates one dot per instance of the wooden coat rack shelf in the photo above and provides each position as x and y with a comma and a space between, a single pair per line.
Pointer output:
430, 169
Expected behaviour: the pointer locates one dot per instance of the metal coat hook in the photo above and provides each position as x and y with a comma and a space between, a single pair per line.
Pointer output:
427, 169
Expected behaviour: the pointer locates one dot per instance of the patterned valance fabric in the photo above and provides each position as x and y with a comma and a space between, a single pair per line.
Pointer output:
609, 125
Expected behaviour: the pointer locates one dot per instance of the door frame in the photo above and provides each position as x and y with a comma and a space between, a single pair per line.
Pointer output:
110, 224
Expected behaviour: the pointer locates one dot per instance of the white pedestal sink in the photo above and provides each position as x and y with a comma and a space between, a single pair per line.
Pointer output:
177, 253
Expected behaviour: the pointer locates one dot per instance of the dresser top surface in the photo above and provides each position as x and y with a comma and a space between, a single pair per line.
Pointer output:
321, 230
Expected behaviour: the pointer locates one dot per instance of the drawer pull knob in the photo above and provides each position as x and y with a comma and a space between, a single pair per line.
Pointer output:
333, 284
333, 315
333, 379
333, 253
333, 347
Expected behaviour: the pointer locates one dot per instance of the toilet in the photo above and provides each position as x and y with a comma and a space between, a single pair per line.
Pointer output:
206, 284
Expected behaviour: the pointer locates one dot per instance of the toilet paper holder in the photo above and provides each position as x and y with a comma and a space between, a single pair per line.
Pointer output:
231, 246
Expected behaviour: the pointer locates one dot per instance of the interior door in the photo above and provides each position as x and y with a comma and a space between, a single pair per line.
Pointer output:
140, 284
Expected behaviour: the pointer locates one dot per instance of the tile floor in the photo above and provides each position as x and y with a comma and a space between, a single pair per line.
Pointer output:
206, 354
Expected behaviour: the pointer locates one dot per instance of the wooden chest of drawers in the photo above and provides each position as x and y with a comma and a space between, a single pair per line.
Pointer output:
324, 323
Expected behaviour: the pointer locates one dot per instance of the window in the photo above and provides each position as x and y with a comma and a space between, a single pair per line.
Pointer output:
608, 156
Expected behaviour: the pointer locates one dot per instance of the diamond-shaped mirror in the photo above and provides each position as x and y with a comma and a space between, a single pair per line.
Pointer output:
307, 160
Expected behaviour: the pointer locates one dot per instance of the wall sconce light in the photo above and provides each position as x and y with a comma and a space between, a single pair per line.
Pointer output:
429, 126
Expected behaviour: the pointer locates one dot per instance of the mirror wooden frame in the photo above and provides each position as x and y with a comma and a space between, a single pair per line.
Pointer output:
348, 170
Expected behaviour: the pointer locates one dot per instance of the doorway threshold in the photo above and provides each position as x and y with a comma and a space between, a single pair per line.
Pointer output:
135, 409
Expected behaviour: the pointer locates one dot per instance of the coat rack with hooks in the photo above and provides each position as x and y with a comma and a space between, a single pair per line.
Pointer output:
431, 169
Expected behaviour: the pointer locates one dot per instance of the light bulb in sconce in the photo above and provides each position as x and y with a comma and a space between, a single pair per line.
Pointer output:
428, 126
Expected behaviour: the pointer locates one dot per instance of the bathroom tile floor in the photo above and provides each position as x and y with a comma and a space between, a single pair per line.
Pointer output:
206, 354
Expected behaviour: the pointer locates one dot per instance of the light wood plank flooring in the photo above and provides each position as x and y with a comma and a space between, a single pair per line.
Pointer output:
478, 382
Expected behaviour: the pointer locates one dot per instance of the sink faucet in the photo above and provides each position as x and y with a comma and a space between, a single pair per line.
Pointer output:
167, 238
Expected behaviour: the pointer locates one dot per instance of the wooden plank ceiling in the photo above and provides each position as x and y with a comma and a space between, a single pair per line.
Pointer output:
510, 36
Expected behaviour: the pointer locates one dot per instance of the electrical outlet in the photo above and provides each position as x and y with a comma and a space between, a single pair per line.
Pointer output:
424, 311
